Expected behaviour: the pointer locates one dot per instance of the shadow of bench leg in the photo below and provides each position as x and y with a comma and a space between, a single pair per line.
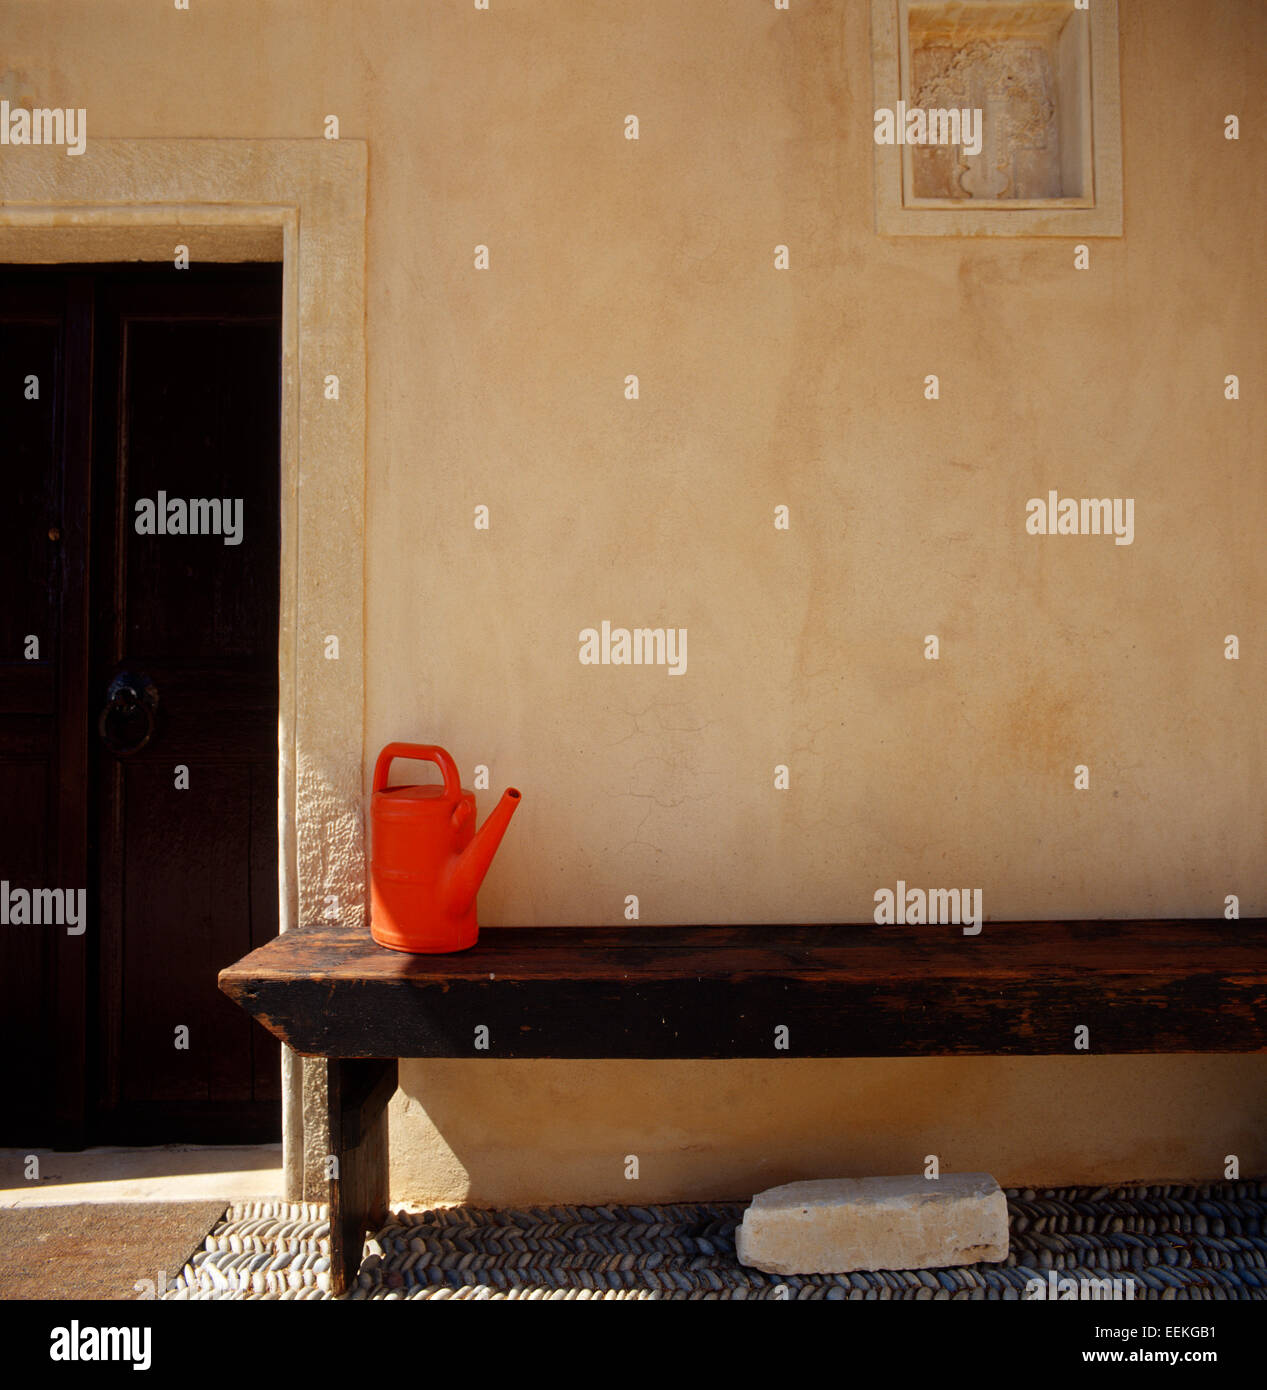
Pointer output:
358, 1090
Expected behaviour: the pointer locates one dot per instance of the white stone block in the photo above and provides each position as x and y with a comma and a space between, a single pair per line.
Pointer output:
838, 1225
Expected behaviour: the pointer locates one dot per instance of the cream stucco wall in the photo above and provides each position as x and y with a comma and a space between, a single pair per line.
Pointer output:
758, 388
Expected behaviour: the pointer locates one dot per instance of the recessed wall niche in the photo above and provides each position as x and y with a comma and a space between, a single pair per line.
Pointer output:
1027, 70
1038, 151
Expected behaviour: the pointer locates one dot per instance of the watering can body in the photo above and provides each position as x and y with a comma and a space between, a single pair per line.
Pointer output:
427, 860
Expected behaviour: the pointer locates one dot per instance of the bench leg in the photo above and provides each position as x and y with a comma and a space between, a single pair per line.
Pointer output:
358, 1090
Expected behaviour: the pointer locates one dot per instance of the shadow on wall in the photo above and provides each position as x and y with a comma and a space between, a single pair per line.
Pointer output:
540, 1132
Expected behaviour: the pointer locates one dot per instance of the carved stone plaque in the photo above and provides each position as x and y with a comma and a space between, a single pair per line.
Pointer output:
1012, 82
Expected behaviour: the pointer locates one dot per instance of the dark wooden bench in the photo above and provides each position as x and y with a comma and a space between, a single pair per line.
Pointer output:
1017, 989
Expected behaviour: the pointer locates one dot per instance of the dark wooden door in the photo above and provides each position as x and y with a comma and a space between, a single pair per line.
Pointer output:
162, 729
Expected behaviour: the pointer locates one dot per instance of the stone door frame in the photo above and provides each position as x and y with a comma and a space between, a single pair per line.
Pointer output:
302, 202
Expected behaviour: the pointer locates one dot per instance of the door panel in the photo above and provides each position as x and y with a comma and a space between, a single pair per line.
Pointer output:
30, 347
188, 407
35, 1033
198, 427
160, 990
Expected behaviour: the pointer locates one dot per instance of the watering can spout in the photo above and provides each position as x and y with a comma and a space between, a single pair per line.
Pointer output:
469, 871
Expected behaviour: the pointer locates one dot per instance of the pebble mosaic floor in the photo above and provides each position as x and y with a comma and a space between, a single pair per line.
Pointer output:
1174, 1242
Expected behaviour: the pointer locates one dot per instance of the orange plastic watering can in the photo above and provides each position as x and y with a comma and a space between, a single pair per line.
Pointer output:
426, 859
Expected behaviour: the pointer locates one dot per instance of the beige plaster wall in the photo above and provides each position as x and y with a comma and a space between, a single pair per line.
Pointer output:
759, 388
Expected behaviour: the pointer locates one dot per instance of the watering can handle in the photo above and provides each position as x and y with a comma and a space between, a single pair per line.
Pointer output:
423, 752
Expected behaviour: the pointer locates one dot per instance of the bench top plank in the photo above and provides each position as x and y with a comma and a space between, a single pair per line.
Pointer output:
1018, 988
